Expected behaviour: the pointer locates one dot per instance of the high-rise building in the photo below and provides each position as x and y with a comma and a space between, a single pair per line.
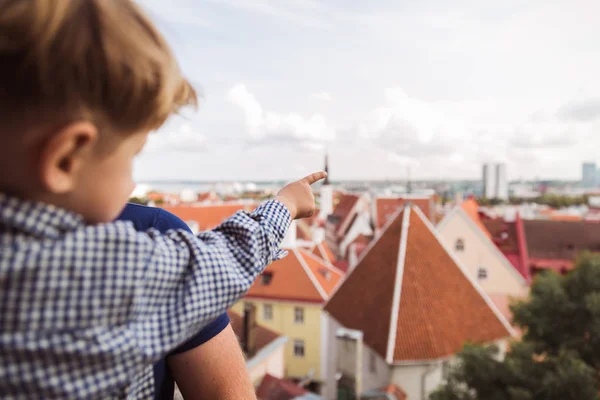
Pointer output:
495, 184
489, 181
501, 182
588, 174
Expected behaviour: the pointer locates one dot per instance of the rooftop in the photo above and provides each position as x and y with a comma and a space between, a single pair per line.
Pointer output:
301, 276
412, 299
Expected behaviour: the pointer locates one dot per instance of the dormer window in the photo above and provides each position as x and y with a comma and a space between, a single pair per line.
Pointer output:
266, 278
459, 245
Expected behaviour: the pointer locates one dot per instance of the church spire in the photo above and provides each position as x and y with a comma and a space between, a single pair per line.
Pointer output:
326, 182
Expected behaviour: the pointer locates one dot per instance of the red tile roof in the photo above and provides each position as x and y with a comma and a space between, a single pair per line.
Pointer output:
545, 240
438, 308
395, 391
263, 335
343, 210
207, 216
298, 277
342, 265
272, 388
388, 207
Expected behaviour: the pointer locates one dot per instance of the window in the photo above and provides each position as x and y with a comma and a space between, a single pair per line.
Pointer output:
482, 273
266, 278
299, 315
460, 245
372, 362
299, 348
267, 312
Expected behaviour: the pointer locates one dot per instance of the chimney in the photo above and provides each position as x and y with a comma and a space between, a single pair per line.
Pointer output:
289, 240
249, 339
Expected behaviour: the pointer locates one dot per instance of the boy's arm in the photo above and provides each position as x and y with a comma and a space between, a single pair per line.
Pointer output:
213, 370
187, 282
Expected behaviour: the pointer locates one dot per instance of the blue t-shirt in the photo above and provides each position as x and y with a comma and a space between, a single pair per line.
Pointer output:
144, 218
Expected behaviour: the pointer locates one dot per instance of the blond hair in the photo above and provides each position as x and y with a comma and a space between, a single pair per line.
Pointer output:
99, 60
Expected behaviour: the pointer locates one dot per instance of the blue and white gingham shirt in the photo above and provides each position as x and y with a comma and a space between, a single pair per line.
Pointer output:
85, 310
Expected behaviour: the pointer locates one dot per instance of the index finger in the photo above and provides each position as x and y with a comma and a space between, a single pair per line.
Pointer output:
317, 176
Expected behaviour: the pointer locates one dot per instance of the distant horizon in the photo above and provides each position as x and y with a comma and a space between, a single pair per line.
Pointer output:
374, 180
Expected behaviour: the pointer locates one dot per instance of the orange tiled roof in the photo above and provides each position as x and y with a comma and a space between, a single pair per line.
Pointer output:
207, 216
263, 335
471, 208
438, 307
388, 207
298, 277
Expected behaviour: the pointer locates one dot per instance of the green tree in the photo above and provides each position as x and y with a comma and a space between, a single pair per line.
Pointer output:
138, 200
559, 356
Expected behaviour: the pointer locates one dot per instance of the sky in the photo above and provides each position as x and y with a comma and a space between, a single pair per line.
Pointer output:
384, 87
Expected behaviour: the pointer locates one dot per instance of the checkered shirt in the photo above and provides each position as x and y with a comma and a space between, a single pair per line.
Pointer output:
85, 310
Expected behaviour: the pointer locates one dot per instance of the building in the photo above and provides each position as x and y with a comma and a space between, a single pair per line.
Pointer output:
463, 231
264, 348
404, 312
350, 218
495, 183
589, 175
289, 297
539, 245
501, 182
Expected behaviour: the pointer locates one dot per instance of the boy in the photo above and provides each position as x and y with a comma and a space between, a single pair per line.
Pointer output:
86, 305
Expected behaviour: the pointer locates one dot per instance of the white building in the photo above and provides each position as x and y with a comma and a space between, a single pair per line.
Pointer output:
495, 183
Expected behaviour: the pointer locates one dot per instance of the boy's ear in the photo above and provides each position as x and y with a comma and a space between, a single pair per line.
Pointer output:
62, 156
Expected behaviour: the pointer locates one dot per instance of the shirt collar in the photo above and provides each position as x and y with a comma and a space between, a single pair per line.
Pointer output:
38, 219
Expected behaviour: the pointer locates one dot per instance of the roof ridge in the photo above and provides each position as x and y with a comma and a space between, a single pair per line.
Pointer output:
394, 314
367, 249
465, 272
324, 262
310, 275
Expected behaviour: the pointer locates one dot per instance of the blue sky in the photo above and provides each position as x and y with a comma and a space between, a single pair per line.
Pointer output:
440, 86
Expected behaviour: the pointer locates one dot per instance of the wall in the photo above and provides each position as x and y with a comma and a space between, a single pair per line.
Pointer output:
330, 354
283, 322
378, 378
273, 365
409, 378
500, 280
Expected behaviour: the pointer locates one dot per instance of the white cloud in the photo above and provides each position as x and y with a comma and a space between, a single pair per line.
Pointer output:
412, 127
183, 139
325, 96
265, 125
